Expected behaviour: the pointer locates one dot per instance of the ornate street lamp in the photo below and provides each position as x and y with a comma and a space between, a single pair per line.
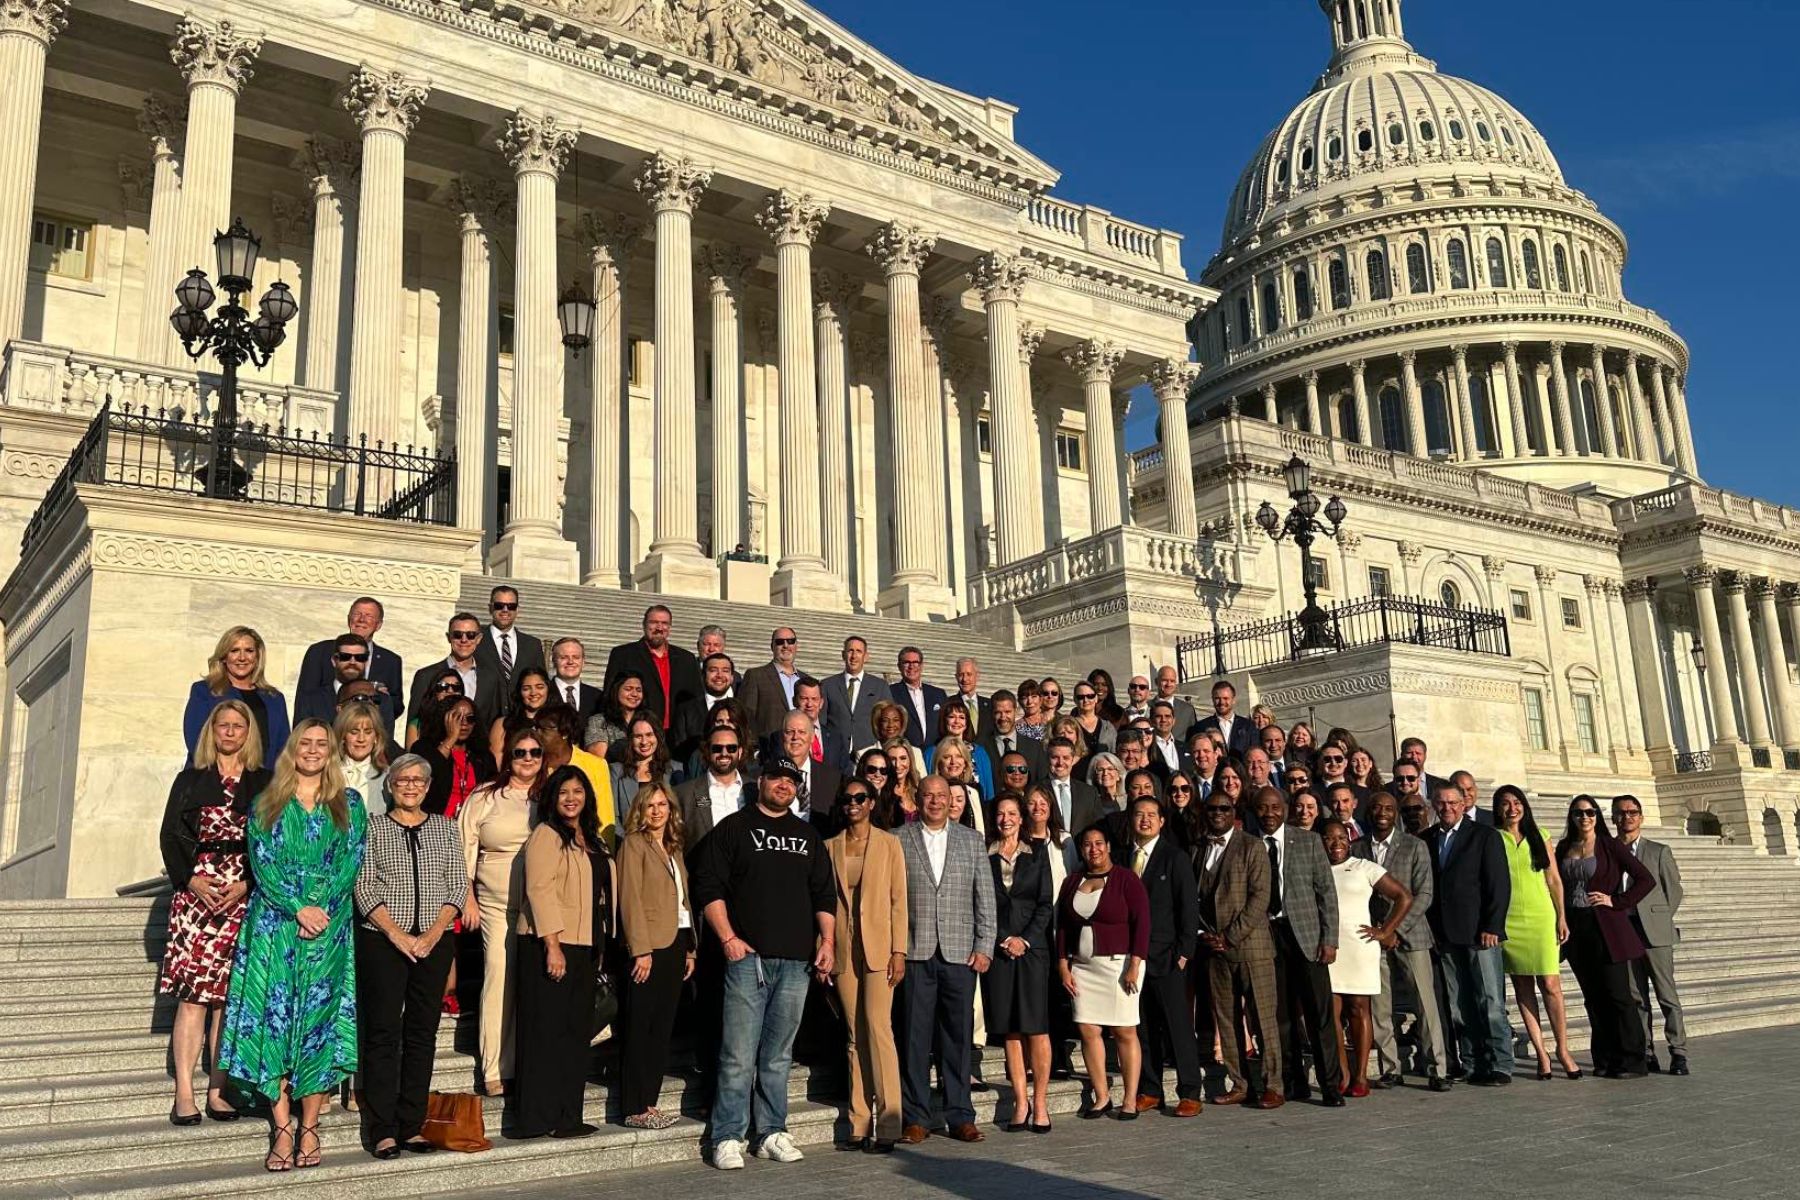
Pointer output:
232, 337
575, 313
1699, 653
1303, 525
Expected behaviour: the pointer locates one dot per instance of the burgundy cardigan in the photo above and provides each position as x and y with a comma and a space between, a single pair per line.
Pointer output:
1121, 921
1612, 863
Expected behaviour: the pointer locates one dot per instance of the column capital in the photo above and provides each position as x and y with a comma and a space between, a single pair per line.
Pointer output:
724, 265
999, 276
1593, 584
1640, 589
1460, 352
160, 119
1407, 359
935, 314
537, 143
1094, 360
1031, 340
1557, 348
1762, 588
1410, 552
1788, 594
1171, 378
670, 183
901, 248
1358, 366
292, 216
478, 199
39, 19
1545, 575
1734, 582
1493, 565
329, 164
211, 52
792, 217
1702, 575
833, 292
1511, 350
611, 236
1631, 360
1269, 389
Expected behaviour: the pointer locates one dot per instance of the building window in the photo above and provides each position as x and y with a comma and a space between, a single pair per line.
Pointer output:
1396, 133
1437, 418
1521, 604
503, 335
1334, 148
1068, 450
1365, 141
1271, 308
1246, 330
1459, 263
1302, 296
1418, 275
1340, 284
1560, 258
1449, 594
1380, 582
638, 353
1585, 733
1281, 171
1587, 273
1571, 612
1393, 419
1427, 132
984, 437
1456, 130
1319, 572
1482, 131
59, 246
1306, 160
1496, 263
1375, 266
1535, 729
1534, 275
1507, 133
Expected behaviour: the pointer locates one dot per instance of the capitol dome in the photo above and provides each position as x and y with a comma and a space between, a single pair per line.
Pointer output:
1404, 265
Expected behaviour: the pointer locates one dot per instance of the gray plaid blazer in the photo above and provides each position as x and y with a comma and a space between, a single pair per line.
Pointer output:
955, 917
1410, 863
1308, 893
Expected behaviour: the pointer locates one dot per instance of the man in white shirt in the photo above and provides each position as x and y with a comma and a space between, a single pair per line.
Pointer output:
1137, 694
816, 794
719, 792
1237, 734
1166, 682
570, 657
1274, 744
850, 698
921, 700
968, 690
1257, 772
1162, 720
720, 676
1203, 751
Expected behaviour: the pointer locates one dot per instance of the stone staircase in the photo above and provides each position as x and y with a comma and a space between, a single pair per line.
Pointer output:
84, 1083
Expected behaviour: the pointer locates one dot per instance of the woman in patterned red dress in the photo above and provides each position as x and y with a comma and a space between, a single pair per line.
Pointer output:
204, 852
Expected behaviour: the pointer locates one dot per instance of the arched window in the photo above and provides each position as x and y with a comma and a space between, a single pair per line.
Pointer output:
1587, 274
1457, 133
1507, 134
1303, 309
1334, 148
1427, 131
1482, 131
1459, 263
1365, 140
1396, 133
1393, 420
1346, 411
1376, 269
1340, 284
1246, 329
1362, 19
1487, 437
1587, 420
1449, 594
1437, 418
1560, 259
1496, 263
1534, 275
1418, 275
1306, 160
1271, 308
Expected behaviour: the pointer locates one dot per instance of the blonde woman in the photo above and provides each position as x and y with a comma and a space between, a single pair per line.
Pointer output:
362, 753
290, 1019
495, 821
905, 763
235, 672
657, 919
954, 760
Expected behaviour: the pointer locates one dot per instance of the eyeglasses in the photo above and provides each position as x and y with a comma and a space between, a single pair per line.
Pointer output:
1180, 791
1584, 814
784, 641
527, 752
464, 635
503, 606
723, 748
1137, 687
409, 781
354, 657
1220, 808
912, 662
1016, 770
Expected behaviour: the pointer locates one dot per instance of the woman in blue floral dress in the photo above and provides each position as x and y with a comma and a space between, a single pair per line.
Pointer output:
290, 1018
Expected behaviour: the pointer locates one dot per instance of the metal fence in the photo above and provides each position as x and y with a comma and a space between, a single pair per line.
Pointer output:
1374, 621
253, 464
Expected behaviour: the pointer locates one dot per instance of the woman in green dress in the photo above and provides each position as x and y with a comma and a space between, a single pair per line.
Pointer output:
1535, 927
290, 1017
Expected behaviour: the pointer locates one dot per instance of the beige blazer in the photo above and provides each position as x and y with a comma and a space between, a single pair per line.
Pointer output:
559, 890
648, 902
881, 920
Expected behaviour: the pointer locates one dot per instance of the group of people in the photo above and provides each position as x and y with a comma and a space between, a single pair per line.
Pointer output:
952, 868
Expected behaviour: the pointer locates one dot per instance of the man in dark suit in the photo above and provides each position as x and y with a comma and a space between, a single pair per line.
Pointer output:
1167, 680
1237, 733
1237, 948
816, 796
1006, 739
1076, 802
1655, 921
1415, 750
1303, 915
828, 746
1274, 746
1165, 1030
480, 684
767, 693
349, 661
1134, 752
1259, 773
671, 675
968, 690
1165, 747
718, 791
570, 658
1477, 812
1407, 961
720, 676
506, 649
384, 668
921, 700
1471, 889
850, 699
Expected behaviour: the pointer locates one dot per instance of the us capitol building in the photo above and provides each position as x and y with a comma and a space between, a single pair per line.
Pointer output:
849, 353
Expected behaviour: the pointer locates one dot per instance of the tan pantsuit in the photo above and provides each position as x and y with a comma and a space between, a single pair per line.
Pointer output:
871, 927
494, 830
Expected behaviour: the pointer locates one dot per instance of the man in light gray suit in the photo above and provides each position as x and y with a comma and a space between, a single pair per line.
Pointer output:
1655, 921
952, 923
1404, 857
850, 699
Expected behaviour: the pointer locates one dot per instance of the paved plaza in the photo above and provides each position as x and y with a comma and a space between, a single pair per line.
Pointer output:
1724, 1132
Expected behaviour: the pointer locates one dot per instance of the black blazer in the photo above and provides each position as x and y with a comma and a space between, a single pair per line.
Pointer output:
919, 735
1470, 891
1244, 733
318, 675
487, 689
1033, 752
530, 653
437, 796
686, 708
194, 789
1025, 909
1174, 907
587, 698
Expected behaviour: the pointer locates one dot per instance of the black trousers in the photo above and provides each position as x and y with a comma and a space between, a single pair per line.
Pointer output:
649, 1023
1303, 1007
939, 1000
399, 1002
703, 1004
1617, 1039
1167, 1031
554, 1020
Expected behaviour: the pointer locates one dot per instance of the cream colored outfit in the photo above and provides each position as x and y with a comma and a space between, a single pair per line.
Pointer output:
494, 828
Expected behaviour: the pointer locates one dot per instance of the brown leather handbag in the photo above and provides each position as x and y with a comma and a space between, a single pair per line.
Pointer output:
453, 1121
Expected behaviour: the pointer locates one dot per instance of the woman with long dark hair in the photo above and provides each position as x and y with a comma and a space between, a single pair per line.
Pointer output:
531, 691
1536, 927
1106, 700
1602, 940
646, 760
459, 762
1015, 991
442, 690
606, 728
1096, 730
874, 769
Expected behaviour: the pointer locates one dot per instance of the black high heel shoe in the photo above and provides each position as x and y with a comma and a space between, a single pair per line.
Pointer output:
1094, 1114
1021, 1120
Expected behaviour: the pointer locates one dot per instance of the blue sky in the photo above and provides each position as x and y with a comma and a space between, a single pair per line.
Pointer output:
1681, 120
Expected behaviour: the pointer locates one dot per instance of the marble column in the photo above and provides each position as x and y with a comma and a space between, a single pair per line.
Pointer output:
1784, 721
1743, 648
1041, 463
27, 27
672, 187
1465, 403
1659, 396
1271, 413
1646, 662
329, 167
726, 270
159, 121
1787, 597
385, 106
936, 314
613, 237
1647, 448
1712, 642
1684, 433
1359, 386
476, 203
1170, 380
1095, 361
1315, 420
1609, 432
1515, 401
1565, 417
1417, 440
801, 580
538, 146
833, 293
1000, 278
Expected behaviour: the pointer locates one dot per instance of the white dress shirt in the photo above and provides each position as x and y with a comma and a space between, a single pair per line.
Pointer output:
506, 639
569, 691
788, 680
723, 799
853, 689
1065, 800
1140, 855
1280, 836
712, 700
1171, 753
467, 673
936, 846
915, 696
1382, 847
1215, 851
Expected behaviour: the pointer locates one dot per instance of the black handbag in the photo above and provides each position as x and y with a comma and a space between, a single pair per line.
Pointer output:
606, 993
606, 1001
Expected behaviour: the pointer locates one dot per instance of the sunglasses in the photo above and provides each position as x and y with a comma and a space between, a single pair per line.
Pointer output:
876, 771
527, 752
1181, 791
1622, 813
1052, 695
1407, 778
1138, 687
362, 657
785, 641
1016, 770
460, 635
1331, 758
856, 798
1082, 696
502, 606
1220, 808
723, 748
1586, 814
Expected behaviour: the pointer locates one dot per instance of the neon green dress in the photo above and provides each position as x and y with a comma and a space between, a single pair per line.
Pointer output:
1530, 947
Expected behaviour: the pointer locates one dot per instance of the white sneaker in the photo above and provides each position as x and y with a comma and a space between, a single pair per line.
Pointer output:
728, 1156
779, 1147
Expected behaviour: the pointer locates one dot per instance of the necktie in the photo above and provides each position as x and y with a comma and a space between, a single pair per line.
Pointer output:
1006, 744
818, 754
570, 695
506, 660
1444, 848
1139, 858
802, 794
1062, 802
855, 687
1274, 876
1205, 788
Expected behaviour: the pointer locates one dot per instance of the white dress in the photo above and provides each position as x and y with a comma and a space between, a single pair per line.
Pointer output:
1100, 995
1357, 968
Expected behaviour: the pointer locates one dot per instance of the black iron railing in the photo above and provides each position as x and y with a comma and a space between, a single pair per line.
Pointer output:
1378, 620
1693, 760
158, 452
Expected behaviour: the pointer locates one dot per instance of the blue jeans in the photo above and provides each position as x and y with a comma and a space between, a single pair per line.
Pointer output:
1475, 983
764, 998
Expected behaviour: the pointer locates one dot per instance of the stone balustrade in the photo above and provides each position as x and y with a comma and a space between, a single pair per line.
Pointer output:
58, 379
1122, 549
1684, 501
1104, 235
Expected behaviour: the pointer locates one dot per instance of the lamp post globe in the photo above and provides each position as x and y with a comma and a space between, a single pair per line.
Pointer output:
1302, 523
